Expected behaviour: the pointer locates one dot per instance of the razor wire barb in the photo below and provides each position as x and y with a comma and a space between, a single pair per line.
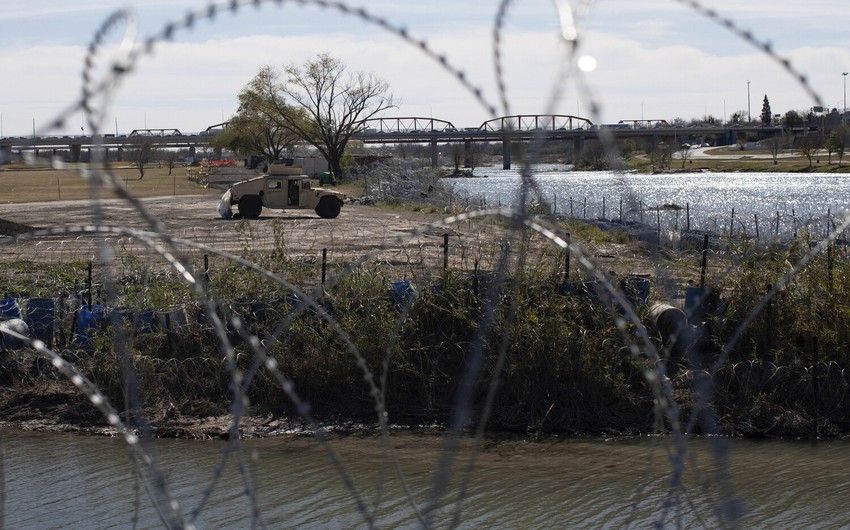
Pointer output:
96, 97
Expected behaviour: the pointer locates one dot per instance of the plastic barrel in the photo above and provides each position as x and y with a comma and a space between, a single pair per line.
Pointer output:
89, 321
401, 292
40, 317
145, 321
669, 321
172, 320
695, 298
9, 309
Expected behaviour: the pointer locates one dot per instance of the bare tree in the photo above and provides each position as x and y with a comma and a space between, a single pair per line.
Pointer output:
324, 105
660, 156
684, 153
140, 154
170, 158
775, 145
809, 146
742, 140
593, 157
836, 143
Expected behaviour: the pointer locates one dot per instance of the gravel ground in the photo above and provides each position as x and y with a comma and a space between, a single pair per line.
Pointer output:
357, 230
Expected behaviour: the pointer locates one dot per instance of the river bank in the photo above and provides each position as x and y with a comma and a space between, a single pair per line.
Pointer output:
411, 304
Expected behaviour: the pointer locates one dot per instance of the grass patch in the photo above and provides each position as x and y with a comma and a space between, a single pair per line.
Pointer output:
37, 184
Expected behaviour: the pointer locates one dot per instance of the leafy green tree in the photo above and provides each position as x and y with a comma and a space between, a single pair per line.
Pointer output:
792, 119
322, 104
254, 129
766, 114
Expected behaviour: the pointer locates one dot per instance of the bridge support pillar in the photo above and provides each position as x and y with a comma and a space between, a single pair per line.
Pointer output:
5, 155
467, 154
192, 154
506, 152
578, 143
217, 153
120, 156
98, 154
435, 154
76, 150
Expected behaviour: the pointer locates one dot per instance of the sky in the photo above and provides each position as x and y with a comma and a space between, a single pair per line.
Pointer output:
654, 59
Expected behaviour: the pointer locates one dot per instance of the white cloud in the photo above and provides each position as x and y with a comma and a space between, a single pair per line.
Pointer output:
191, 85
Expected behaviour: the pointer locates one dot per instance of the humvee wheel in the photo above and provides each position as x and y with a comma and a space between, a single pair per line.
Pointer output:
250, 206
328, 207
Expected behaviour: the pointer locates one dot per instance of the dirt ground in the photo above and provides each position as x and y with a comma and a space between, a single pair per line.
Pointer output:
357, 230
299, 233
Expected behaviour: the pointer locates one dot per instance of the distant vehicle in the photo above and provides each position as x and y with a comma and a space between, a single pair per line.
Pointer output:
285, 187
614, 126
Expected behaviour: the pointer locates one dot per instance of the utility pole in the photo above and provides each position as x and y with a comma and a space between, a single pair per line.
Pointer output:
844, 114
749, 109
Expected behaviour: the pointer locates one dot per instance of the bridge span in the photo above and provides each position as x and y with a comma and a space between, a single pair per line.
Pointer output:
508, 130
528, 128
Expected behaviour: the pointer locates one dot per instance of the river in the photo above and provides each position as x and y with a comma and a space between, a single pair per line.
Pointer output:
76, 481
797, 198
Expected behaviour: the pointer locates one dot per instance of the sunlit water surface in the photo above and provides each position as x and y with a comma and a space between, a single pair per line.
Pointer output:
797, 198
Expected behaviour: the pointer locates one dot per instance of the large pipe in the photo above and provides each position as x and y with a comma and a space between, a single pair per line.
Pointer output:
667, 320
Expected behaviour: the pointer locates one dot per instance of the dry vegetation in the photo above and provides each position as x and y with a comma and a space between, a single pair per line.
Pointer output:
37, 184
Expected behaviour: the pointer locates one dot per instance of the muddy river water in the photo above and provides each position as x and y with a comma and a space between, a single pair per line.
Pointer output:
73, 481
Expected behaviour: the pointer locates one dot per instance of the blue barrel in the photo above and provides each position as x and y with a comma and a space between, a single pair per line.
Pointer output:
145, 321
401, 292
90, 320
636, 289
9, 309
40, 318
696, 301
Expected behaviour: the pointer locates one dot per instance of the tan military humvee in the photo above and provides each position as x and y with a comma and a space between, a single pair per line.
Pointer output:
284, 187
